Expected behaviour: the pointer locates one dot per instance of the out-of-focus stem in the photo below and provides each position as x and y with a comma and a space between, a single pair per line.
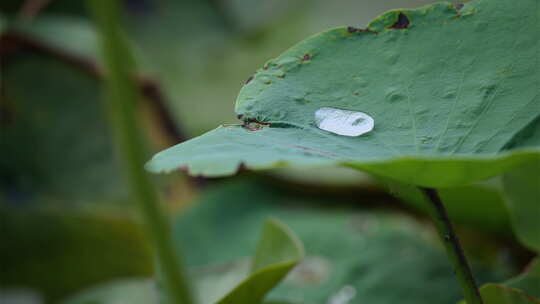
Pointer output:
121, 102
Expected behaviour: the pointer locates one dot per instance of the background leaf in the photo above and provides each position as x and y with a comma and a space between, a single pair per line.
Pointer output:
277, 253
480, 206
524, 288
344, 246
133, 291
499, 294
529, 281
522, 187
58, 254
42, 157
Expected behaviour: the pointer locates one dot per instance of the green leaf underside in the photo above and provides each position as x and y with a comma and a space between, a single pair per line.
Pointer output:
450, 96
277, 253
499, 294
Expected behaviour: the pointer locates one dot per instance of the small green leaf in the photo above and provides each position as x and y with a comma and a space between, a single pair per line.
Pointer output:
522, 187
278, 252
449, 90
499, 294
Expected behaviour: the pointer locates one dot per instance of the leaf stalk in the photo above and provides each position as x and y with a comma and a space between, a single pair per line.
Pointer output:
453, 247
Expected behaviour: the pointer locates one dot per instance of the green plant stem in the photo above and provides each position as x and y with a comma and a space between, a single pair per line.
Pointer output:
453, 247
122, 98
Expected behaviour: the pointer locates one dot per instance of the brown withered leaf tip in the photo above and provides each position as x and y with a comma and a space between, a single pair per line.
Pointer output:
401, 23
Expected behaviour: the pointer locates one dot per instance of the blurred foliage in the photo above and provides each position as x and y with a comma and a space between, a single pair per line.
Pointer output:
132, 291
529, 281
277, 253
499, 294
54, 141
466, 205
365, 249
372, 256
57, 254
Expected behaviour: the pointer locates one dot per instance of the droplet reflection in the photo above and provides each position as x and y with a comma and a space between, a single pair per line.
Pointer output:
343, 122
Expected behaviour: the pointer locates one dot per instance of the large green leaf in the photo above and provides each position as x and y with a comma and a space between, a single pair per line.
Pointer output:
522, 187
448, 93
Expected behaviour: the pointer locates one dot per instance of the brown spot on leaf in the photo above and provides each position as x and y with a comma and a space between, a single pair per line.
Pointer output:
401, 23
183, 168
241, 167
249, 79
458, 7
306, 57
352, 29
252, 124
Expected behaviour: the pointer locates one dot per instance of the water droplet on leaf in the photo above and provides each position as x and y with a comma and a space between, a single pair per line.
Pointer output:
343, 122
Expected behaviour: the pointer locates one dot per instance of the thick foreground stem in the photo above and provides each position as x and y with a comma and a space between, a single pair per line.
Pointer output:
453, 247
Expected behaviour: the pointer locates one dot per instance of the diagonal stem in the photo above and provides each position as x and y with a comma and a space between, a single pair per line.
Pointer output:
453, 247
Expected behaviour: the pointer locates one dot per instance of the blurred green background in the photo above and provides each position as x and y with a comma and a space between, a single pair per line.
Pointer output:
66, 222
